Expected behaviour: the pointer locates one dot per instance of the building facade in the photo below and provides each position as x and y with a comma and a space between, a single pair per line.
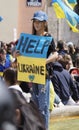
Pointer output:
17, 16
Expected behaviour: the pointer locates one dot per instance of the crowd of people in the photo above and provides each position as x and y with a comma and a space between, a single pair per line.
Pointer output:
31, 100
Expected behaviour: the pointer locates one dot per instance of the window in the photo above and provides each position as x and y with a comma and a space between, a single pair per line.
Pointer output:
34, 3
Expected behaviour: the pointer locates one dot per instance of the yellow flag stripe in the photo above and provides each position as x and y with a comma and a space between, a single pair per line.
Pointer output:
58, 10
74, 29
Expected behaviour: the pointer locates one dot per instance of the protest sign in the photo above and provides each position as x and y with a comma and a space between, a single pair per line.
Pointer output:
32, 62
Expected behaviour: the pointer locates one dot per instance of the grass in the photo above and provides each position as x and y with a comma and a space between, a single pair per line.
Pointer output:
64, 124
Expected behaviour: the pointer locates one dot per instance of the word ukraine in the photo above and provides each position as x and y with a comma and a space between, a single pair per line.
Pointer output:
31, 69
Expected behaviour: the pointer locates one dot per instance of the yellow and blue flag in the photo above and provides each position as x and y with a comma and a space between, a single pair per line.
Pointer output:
68, 4
64, 11
72, 2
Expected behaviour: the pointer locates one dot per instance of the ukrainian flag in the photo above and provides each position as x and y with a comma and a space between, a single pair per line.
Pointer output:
68, 4
64, 11
72, 2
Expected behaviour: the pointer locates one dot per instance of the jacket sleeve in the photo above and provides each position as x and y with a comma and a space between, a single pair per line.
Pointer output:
55, 83
74, 90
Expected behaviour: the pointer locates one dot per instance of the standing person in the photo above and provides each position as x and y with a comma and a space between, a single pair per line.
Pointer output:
41, 92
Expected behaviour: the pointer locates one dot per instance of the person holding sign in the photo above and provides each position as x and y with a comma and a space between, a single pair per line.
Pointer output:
40, 91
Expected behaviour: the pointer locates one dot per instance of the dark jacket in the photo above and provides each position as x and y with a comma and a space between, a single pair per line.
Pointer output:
63, 83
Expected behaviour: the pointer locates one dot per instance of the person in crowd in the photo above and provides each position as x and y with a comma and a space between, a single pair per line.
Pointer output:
61, 47
67, 64
76, 57
4, 62
27, 116
64, 85
77, 50
41, 92
9, 51
77, 61
7, 109
74, 71
10, 78
71, 51
3, 45
23, 85
66, 61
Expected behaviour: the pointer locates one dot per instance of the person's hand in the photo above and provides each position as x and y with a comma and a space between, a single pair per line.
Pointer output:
17, 53
52, 58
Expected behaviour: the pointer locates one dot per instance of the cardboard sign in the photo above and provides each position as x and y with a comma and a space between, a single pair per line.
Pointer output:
32, 62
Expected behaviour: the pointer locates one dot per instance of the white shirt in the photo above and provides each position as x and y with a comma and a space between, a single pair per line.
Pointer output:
27, 96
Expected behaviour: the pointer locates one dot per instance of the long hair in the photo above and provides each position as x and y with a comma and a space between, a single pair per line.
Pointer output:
30, 115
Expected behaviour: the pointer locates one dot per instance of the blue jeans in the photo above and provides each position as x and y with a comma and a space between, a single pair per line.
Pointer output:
41, 94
